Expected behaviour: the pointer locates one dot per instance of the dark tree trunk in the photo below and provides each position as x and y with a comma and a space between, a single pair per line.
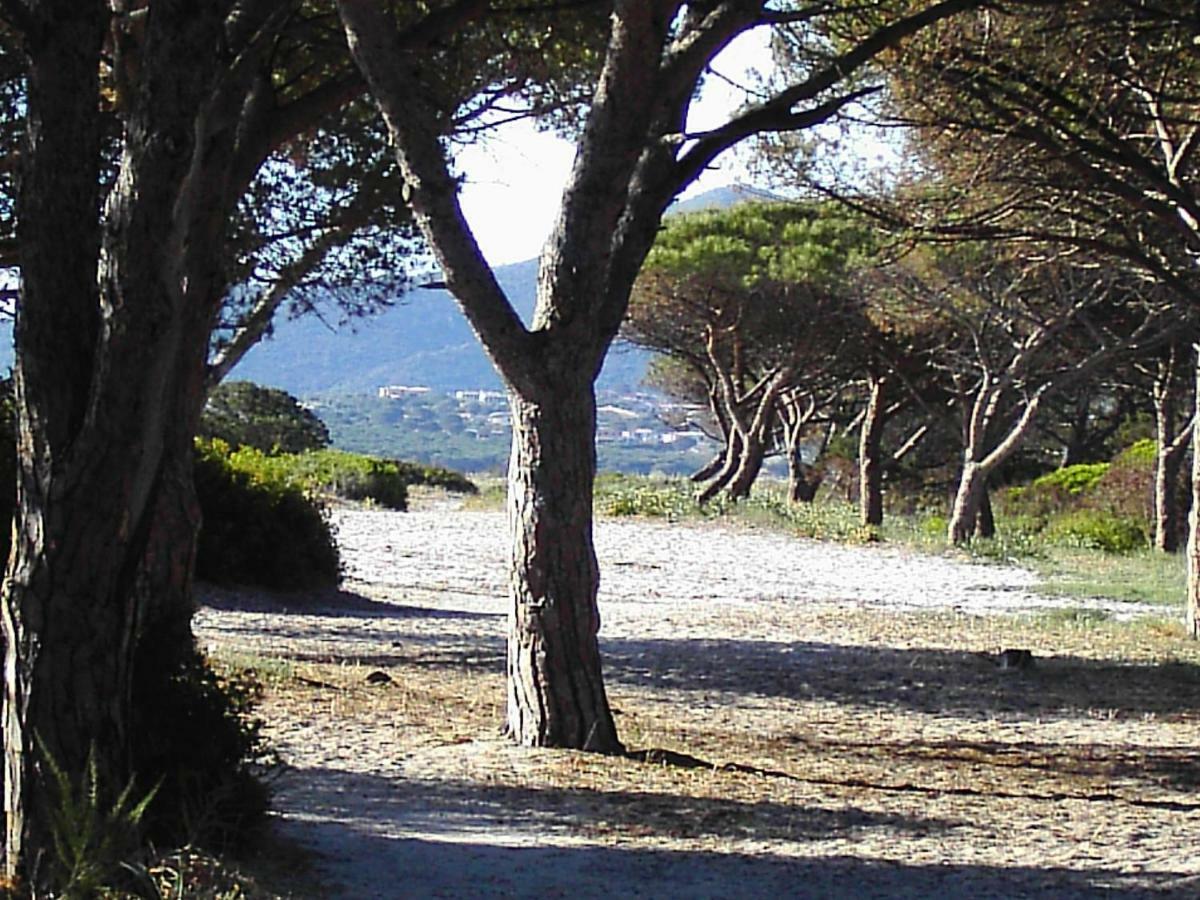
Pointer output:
985, 520
93, 422
754, 451
730, 461
711, 468
803, 481
870, 465
48, 600
556, 694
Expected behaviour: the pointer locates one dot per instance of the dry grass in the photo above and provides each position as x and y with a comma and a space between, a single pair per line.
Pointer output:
887, 738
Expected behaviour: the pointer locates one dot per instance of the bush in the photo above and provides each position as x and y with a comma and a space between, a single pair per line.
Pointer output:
1098, 530
1127, 489
197, 733
435, 476
243, 414
259, 528
349, 476
1074, 480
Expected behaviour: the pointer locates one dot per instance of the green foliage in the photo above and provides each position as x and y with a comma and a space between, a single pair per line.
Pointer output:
91, 839
349, 476
1098, 530
259, 527
1141, 453
435, 476
752, 244
197, 731
1075, 479
243, 414
674, 499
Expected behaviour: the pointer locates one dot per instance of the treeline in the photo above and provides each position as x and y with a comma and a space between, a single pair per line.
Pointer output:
940, 370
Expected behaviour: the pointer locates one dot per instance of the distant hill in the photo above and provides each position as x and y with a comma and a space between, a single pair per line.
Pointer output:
422, 340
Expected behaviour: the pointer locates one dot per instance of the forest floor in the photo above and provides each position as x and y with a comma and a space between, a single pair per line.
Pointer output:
823, 721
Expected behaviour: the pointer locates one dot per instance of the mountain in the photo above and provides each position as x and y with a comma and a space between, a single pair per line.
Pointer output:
423, 340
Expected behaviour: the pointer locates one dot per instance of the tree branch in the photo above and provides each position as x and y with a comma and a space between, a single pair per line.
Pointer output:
431, 190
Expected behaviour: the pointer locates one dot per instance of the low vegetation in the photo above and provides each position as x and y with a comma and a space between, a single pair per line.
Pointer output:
1079, 529
260, 528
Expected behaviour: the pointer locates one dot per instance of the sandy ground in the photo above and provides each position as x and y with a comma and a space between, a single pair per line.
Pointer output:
839, 725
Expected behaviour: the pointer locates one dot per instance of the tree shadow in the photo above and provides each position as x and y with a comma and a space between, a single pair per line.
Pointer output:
968, 685
334, 603
390, 837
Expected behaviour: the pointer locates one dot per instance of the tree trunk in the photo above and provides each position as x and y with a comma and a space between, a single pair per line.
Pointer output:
94, 422
1192, 616
803, 480
556, 694
730, 460
754, 451
1168, 460
870, 467
985, 520
972, 486
710, 468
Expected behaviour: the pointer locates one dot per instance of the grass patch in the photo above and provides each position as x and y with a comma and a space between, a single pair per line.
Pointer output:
1142, 577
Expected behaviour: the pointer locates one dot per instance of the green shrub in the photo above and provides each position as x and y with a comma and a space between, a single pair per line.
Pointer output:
1098, 530
244, 414
1141, 453
259, 527
435, 476
1074, 480
350, 476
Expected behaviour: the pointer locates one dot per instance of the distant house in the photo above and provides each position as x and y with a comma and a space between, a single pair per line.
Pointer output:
482, 397
397, 391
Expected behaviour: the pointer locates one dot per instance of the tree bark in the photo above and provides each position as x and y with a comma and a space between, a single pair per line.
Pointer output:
870, 465
1192, 614
556, 693
972, 485
93, 421
1170, 449
985, 519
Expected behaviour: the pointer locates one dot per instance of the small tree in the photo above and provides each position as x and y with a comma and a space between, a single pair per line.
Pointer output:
243, 414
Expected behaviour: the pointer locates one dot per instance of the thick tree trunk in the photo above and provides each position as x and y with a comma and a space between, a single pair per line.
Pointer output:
556, 694
870, 466
94, 422
972, 486
1192, 615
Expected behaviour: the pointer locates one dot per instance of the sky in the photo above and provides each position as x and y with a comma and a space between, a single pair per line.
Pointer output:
516, 177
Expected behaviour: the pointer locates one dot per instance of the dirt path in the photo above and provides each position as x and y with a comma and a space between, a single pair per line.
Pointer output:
835, 722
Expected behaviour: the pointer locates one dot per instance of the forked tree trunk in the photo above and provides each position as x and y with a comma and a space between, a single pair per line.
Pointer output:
556, 694
870, 465
754, 451
729, 461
